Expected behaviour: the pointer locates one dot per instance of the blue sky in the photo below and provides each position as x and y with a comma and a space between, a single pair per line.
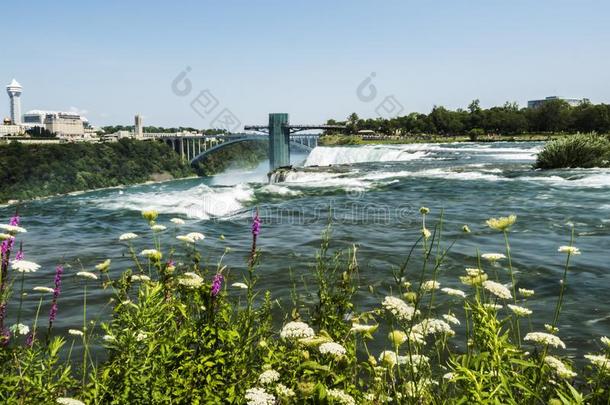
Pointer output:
113, 59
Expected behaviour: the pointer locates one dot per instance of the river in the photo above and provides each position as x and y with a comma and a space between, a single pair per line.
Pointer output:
373, 193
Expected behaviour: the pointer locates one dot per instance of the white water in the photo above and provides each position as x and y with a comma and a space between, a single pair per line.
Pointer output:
339, 155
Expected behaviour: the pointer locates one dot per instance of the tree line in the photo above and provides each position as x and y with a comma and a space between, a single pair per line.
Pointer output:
553, 116
110, 129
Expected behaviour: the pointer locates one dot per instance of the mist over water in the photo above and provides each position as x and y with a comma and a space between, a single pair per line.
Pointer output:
373, 194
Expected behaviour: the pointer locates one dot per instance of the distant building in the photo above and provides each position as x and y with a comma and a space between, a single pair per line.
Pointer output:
574, 102
8, 129
14, 92
67, 125
138, 131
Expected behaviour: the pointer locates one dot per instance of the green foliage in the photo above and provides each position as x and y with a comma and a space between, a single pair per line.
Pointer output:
245, 155
39, 170
575, 151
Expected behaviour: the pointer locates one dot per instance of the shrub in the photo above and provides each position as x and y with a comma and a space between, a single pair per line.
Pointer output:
581, 150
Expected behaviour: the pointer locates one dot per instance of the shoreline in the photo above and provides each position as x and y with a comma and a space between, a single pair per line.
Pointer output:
346, 140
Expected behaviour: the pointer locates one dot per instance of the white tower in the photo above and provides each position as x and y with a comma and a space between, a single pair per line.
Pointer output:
138, 129
14, 92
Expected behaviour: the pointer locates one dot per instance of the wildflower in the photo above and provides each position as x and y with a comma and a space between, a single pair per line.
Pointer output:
108, 338
150, 215
605, 341
69, 401
185, 238
332, 348
388, 357
158, 228
449, 376
426, 233
196, 236
5, 236
497, 289
296, 330
430, 285
474, 280
258, 396
551, 328
360, 328
268, 377
12, 229
502, 223
284, 391
451, 319
216, 284
424, 210
571, 250
526, 293
397, 337
128, 236
87, 274
20, 329
454, 292
240, 285
24, 266
400, 309
559, 367
177, 221
43, 289
465, 229
545, 339
519, 311
170, 266
140, 277
433, 326
75, 332
152, 254
53, 311
103, 266
599, 361
191, 280
495, 307
141, 336
493, 257
473, 271
340, 397
256, 224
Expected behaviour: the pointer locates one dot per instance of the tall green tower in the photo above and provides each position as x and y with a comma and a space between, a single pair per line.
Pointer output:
279, 140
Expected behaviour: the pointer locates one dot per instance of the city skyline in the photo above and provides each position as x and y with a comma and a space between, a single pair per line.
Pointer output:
116, 60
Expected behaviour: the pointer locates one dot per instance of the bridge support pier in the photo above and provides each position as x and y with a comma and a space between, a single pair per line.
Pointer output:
279, 141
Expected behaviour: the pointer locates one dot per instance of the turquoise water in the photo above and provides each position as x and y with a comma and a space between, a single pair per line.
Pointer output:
373, 194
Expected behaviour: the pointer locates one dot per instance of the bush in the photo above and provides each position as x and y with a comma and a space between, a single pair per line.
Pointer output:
581, 150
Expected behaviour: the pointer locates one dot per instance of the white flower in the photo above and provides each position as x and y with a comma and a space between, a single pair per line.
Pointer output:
5, 236
191, 280
141, 336
605, 341
400, 309
571, 250
44, 289
426, 233
177, 221
296, 330
13, 229
544, 339
451, 319
140, 277
128, 236
103, 266
20, 329
473, 271
430, 285
340, 397
520, 311
433, 326
109, 338
559, 367
87, 274
24, 266
185, 238
449, 376
550, 328
158, 228
493, 257
332, 348
69, 401
599, 361
258, 396
75, 332
240, 285
525, 292
360, 328
151, 254
196, 236
284, 391
495, 307
454, 292
268, 377
497, 289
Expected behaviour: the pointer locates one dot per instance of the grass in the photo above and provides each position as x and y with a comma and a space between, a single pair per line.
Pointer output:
181, 331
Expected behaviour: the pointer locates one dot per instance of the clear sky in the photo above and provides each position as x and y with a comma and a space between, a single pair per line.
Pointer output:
112, 59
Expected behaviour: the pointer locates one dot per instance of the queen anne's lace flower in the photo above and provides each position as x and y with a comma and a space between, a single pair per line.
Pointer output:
44, 289
525, 292
140, 277
268, 377
185, 238
240, 285
13, 229
559, 367
75, 332
571, 250
599, 361
284, 391
497, 289
605, 341
502, 223
519, 311
454, 292
87, 274
340, 397
433, 326
20, 329
332, 348
296, 330
430, 285
128, 236
258, 396
451, 319
474, 280
493, 257
495, 307
544, 339
152, 254
191, 280
425, 232
24, 266
196, 236
361, 328
158, 228
177, 221
400, 309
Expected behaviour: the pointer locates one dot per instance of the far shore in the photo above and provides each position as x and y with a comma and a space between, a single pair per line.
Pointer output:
339, 140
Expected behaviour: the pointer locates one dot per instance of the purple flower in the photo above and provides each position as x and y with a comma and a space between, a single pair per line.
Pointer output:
256, 224
29, 340
216, 284
19, 255
53, 312
14, 221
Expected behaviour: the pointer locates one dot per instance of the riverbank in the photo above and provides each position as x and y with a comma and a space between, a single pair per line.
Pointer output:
332, 140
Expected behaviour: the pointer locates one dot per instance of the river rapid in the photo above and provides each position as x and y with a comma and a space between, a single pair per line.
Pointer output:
373, 194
